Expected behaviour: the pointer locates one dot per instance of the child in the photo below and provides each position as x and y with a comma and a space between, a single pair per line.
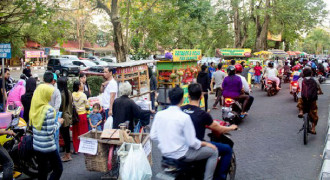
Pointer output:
95, 118
295, 75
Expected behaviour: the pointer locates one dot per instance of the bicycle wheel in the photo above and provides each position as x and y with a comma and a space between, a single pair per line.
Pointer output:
306, 125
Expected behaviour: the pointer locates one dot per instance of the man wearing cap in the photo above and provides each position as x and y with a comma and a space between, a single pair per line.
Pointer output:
27, 71
110, 91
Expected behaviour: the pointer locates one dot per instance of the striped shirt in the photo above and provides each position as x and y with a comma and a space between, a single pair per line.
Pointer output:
44, 140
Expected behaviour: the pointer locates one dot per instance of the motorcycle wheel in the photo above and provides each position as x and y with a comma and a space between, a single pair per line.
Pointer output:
295, 97
232, 169
269, 92
31, 168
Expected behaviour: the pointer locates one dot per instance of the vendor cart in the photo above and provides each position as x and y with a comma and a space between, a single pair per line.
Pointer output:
181, 70
106, 159
136, 73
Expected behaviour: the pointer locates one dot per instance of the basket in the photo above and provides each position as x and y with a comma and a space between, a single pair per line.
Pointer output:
99, 162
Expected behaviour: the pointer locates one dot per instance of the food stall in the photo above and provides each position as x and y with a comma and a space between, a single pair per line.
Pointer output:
235, 53
181, 70
136, 73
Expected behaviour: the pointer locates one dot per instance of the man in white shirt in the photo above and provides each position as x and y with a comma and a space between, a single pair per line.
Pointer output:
50, 79
176, 136
218, 78
246, 86
110, 90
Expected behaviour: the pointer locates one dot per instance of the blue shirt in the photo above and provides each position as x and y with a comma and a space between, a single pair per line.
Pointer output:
211, 71
95, 118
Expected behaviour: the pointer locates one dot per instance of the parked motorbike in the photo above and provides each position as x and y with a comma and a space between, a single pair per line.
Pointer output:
270, 88
178, 169
295, 90
231, 111
29, 165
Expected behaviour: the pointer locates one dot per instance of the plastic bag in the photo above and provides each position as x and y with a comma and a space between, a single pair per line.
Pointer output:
108, 123
134, 164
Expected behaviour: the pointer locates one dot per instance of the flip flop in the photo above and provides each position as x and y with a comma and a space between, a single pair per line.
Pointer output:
63, 159
214, 108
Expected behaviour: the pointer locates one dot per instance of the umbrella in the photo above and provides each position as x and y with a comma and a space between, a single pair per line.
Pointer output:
291, 53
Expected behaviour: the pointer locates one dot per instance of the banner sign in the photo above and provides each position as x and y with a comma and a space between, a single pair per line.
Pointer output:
187, 54
186, 98
236, 52
132, 69
5, 51
34, 54
274, 37
54, 52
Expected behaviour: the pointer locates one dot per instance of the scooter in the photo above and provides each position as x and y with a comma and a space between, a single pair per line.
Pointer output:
231, 111
295, 90
270, 88
13, 144
177, 169
320, 77
286, 77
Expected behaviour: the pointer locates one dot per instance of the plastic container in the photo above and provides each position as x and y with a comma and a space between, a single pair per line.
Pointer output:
5, 119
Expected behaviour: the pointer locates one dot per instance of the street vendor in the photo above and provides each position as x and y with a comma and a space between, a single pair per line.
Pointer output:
125, 109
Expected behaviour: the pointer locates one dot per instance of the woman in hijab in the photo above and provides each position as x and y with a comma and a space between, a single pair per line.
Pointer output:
31, 85
15, 94
44, 125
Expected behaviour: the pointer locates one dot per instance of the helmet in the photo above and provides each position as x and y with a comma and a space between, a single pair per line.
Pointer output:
231, 70
23, 76
271, 64
238, 68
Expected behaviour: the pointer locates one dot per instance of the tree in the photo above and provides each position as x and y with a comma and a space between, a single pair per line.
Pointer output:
317, 41
112, 10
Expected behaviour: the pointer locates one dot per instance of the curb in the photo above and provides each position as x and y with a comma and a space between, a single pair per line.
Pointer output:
325, 169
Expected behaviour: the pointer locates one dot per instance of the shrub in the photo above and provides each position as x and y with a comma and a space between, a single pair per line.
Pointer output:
94, 83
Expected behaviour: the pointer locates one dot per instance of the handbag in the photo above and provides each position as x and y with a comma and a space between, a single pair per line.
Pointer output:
75, 117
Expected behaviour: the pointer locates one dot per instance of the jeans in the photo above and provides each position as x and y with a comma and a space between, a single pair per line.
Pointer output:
225, 152
65, 132
249, 104
152, 99
106, 111
1, 107
7, 164
55, 163
204, 153
257, 79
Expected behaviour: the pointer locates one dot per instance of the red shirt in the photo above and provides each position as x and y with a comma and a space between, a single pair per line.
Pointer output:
257, 70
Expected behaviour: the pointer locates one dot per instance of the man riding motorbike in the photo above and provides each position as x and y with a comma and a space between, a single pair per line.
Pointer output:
307, 101
246, 87
271, 74
201, 119
175, 133
232, 88
297, 69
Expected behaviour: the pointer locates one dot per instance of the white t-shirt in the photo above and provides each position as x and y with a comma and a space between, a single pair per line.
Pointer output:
218, 76
271, 72
325, 65
246, 86
112, 87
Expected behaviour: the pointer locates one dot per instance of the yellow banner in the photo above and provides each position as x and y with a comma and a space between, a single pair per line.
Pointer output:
186, 97
274, 37
187, 54
236, 52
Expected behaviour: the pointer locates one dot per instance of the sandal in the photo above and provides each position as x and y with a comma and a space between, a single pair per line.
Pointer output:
214, 108
65, 159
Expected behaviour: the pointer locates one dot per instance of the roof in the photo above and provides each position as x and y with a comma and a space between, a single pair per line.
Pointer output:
32, 44
131, 63
75, 45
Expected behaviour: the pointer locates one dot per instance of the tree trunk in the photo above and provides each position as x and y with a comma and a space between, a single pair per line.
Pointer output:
261, 41
237, 23
118, 38
277, 45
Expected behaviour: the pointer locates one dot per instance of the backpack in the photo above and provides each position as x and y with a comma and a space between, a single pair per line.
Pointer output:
309, 90
75, 117
25, 147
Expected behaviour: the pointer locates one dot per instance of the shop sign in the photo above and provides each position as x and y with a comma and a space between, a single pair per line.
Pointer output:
187, 54
186, 97
54, 52
132, 69
34, 54
5, 51
236, 52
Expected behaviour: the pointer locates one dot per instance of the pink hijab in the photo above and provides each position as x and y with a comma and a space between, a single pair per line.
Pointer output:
16, 93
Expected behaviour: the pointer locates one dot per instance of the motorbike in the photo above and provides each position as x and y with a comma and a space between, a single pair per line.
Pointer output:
231, 111
295, 90
320, 77
178, 169
12, 144
286, 77
270, 88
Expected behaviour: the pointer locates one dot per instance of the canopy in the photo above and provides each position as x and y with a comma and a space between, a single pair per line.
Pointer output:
291, 53
262, 53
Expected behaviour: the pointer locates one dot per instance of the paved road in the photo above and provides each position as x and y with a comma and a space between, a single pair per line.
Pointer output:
267, 145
